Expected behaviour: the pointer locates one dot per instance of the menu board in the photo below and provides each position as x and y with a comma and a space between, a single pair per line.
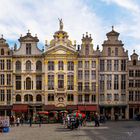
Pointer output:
4, 121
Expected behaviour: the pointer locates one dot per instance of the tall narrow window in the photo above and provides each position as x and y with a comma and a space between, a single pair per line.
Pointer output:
80, 98
93, 74
2, 79
2, 95
8, 95
80, 64
93, 86
123, 65
86, 64
28, 48
80, 74
70, 83
8, 64
86, 97
86, 74
60, 65
28, 65
80, 86
102, 65
2, 64
8, 79
109, 65
18, 82
38, 82
109, 82
123, 81
86, 86
28, 83
2, 51
116, 65
93, 64
39, 66
70, 65
116, 82
116, 51
50, 82
50, 65
18, 65
102, 82
60, 81
109, 51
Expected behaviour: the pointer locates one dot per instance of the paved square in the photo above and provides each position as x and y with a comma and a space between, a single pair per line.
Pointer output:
127, 130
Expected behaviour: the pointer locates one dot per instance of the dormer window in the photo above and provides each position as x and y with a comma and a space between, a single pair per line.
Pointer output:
134, 62
2, 51
28, 48
109, 51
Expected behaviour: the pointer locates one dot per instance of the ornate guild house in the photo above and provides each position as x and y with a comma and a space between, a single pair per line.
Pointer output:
66, 76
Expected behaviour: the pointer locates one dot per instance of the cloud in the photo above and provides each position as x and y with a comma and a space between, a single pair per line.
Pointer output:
127, 4
41, 17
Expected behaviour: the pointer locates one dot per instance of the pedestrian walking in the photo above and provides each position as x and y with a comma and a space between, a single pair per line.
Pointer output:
30, 120
96, 119
18, 121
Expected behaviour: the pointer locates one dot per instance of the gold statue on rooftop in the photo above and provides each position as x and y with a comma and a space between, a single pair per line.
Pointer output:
60, 24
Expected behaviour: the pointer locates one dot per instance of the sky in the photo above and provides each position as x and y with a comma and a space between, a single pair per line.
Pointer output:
79, 16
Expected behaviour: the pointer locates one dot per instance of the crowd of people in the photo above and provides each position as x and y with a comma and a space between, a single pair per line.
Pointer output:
16, 121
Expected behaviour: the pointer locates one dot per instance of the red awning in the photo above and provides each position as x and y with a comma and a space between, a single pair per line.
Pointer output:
87, 107
71, 107
20, 107
49, 107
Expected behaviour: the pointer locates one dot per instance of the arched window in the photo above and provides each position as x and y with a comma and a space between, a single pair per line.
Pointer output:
18, 65
18, 98
109, 51
39, 98
39, 65
28, 83
28, 65
2, 51
28, 98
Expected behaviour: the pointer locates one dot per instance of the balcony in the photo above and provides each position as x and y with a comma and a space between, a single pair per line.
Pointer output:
60, 89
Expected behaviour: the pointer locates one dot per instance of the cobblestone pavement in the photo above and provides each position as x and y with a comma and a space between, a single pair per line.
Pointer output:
108, 131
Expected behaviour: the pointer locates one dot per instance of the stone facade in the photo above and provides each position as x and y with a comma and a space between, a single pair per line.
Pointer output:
134, 86
67, 76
